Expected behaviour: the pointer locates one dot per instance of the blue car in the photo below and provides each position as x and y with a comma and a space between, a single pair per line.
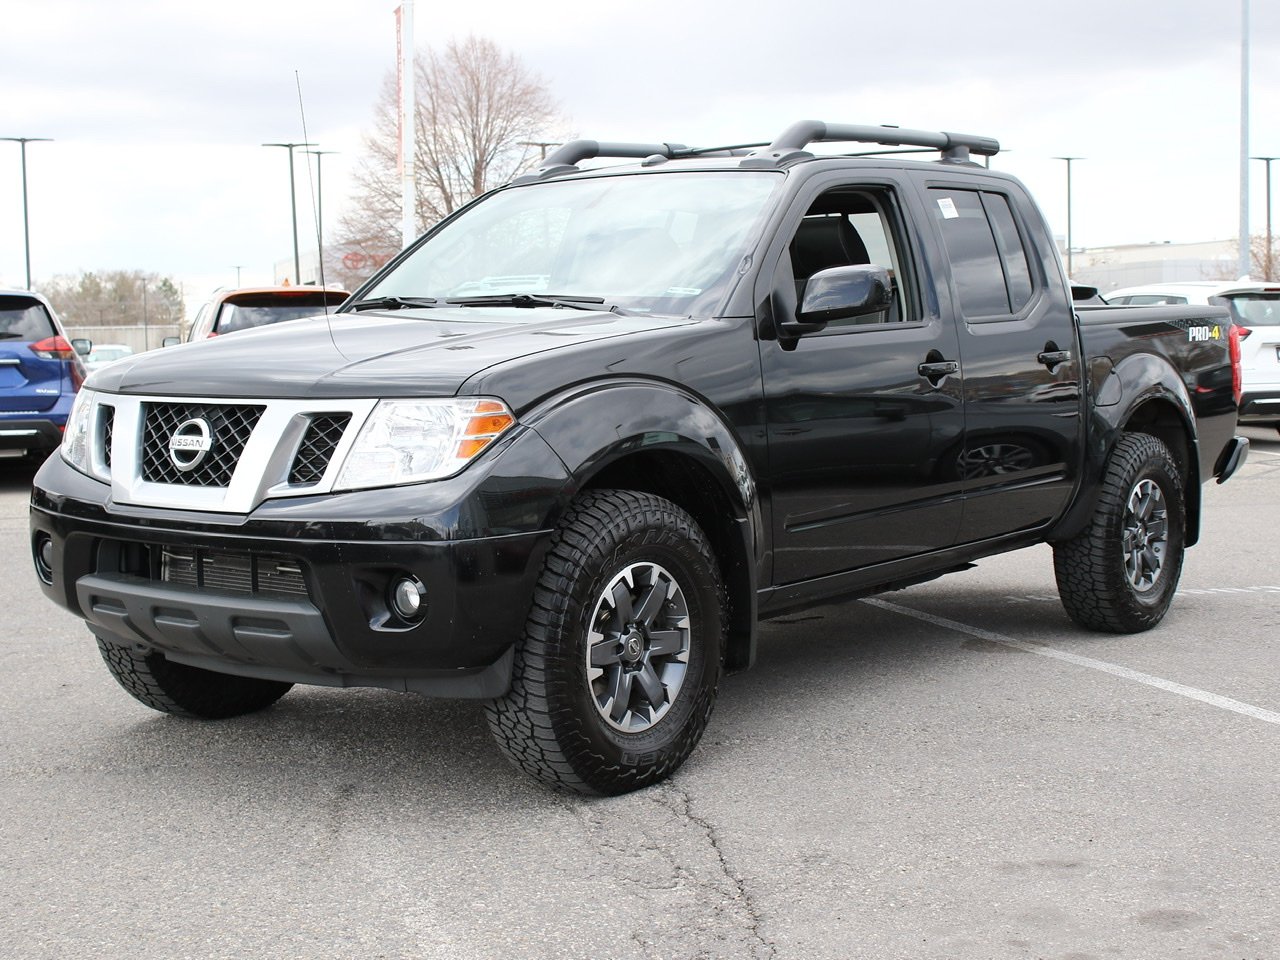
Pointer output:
40, 372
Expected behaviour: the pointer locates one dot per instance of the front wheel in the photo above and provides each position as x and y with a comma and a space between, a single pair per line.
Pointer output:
187, 691
1119, 575
615, 676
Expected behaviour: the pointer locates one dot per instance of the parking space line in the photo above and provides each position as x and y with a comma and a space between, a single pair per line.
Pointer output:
1169, 686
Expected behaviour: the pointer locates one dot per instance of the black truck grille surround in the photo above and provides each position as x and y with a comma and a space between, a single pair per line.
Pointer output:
249, 574
229, 430
318, 444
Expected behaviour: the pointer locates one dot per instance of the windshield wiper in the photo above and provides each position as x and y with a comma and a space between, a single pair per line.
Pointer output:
391, 303
527, 300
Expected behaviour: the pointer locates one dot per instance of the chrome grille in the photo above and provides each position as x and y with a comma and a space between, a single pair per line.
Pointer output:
233, 572
108, 423
318, 444
229, 427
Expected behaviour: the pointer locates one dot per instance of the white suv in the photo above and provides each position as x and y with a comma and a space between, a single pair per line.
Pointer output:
1255, 307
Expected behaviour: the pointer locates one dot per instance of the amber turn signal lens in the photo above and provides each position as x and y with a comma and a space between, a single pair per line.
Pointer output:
489, 420
488, 426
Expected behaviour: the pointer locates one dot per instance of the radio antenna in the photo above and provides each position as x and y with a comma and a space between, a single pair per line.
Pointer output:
312, 189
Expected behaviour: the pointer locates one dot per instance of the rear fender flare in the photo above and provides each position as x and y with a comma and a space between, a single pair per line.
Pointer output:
1149, 388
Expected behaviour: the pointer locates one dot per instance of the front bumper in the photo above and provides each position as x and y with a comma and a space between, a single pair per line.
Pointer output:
332, 622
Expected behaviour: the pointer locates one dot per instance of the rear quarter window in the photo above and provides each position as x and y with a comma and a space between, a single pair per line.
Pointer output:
22, 318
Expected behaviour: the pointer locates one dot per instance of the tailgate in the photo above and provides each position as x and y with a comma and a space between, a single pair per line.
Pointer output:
28, 384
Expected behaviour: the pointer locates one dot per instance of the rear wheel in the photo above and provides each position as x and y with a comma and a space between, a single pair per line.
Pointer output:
1120, 573
616, 674
186, 691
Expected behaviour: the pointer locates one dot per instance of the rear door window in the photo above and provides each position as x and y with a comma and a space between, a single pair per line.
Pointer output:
989, 263
22, 318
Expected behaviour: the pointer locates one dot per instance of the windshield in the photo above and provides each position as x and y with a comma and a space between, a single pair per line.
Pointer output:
1252, 309
22, 318
662, 243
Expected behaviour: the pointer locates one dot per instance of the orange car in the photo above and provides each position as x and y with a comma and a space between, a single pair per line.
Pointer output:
232, 310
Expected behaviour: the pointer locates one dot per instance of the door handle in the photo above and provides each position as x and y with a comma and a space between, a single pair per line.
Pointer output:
1051, 358
934, 371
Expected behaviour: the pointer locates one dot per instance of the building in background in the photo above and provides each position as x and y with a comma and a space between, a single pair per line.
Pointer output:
1135, 264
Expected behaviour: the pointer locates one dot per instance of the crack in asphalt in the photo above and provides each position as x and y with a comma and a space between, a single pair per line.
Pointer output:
733, 912
742, 895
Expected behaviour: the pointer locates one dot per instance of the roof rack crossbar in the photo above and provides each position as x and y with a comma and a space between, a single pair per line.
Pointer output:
576, 150
565, 157
954, 146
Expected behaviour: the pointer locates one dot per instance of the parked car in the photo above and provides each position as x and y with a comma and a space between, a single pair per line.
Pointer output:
232, 310
1255, 308
40, 372
104, 353
564, 453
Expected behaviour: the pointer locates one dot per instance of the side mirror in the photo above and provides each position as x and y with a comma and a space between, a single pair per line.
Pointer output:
838, 293
170, 341
82, 346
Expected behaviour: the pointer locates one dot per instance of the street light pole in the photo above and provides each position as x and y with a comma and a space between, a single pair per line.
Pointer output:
320, 205
293, 205
26, 229
1244, 138
540, 144
236, 267
1268, 262
1068, 160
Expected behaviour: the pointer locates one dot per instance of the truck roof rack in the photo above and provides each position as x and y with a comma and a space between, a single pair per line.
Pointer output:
789, 146
564, 158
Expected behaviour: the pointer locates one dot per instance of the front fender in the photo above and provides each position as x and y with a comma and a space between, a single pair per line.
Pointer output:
593, 426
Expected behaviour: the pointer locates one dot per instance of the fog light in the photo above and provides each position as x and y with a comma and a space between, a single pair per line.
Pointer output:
44, 557
409, 598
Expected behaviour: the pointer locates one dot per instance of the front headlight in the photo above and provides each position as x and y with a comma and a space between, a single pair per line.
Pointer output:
406, 441
76, 437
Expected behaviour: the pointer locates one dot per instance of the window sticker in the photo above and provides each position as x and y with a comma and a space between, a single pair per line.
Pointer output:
948, 208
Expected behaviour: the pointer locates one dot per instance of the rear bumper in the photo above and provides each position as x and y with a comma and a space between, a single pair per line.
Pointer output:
1232, 458
31, 435
1260, 406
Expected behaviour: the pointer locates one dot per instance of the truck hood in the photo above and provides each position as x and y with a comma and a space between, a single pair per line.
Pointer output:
425, 353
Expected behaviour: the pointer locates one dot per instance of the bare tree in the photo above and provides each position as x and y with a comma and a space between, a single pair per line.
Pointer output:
1264, 264
476, 103
125, 297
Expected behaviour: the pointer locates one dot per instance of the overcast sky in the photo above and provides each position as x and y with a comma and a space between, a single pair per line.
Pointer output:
157, 108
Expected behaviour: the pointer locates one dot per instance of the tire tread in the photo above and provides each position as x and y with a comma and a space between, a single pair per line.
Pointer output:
530, 722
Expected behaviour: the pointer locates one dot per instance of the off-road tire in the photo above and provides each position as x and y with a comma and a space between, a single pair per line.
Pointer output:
1093, 580
187, 691
551, 724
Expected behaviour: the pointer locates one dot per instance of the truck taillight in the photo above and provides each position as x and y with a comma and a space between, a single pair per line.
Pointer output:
53, 348
1237, 334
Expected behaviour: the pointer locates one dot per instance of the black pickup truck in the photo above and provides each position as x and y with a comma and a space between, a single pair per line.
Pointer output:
567, 450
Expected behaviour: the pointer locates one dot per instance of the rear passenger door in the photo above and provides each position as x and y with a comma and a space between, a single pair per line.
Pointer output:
1019, 352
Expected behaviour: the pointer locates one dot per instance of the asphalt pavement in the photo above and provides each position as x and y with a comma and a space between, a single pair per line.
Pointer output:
950, 771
